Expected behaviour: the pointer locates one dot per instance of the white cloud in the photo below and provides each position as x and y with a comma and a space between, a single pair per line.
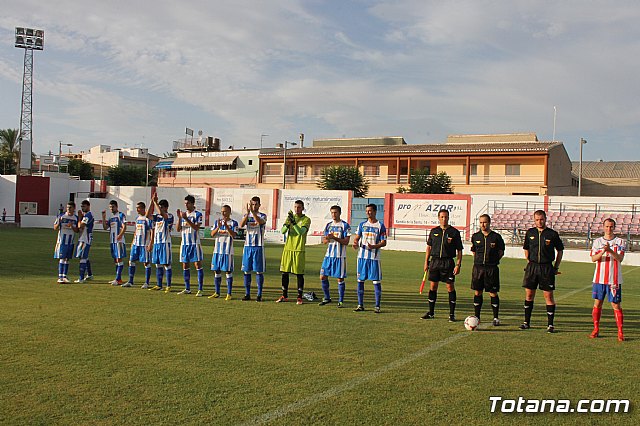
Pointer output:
113, 71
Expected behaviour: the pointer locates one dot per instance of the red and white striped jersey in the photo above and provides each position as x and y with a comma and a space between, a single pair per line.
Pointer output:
608, 270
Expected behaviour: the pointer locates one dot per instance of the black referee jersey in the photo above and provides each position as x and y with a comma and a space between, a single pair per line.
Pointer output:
542, 245
444, 242
486, 248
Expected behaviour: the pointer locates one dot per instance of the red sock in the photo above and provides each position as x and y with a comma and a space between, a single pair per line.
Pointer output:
619, 319
595, 314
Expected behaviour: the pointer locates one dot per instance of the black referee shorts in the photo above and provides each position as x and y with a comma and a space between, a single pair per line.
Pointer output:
441, 270
485, 278
539, 275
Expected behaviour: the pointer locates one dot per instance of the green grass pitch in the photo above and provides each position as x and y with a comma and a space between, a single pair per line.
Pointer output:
97, 354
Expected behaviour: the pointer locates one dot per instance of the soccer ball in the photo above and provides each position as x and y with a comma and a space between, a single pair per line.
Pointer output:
471, 322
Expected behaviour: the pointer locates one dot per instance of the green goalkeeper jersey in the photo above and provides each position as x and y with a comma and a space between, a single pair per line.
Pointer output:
296, 235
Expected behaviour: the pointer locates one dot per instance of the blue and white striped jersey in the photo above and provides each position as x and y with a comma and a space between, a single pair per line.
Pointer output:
370, 233
116, 223
142, 232
224, 241
254, 237
86, 233
340, 230
191, 236
162, 228
65, 232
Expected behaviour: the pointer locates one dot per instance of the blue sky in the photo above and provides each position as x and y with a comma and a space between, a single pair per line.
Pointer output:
125, 73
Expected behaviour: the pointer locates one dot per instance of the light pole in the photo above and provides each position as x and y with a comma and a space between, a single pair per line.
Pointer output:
28, 39
582, 142
60, 145
284, 163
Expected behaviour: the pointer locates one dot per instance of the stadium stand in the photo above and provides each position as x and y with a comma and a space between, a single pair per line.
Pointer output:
577, 225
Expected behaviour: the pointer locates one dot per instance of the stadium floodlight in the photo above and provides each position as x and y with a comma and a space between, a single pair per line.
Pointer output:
28, 39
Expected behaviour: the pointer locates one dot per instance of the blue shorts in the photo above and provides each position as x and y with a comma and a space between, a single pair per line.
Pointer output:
369, 269
613, 296
191, 253
63, 251
161, 254
118, 250
222, 262
253, 259
335, 267
140, 254
82, 251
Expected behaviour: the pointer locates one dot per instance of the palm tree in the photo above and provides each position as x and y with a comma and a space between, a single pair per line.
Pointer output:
9, 142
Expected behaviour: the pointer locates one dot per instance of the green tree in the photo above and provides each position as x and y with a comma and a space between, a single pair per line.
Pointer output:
80, 168
9, 150
126, 176
344, 178
422, 182
7, 163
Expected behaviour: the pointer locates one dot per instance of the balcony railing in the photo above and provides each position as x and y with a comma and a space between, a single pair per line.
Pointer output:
503, 180
404, 179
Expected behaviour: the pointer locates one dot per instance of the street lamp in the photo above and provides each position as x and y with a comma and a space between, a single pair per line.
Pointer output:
284, 163
582, 142
60, 145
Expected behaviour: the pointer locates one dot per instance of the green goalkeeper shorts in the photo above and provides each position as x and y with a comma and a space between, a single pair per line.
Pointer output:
292, 261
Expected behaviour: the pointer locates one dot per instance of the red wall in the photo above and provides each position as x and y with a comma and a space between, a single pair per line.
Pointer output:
33, 189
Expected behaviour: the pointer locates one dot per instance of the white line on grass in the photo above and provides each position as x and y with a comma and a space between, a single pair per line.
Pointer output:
329, 393
351, 384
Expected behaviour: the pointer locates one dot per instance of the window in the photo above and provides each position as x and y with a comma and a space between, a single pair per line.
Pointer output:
251, 162
302, 171
372, 170
273, 169
512, 169
474, 170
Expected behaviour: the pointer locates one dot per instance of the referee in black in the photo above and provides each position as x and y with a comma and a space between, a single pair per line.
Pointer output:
541, 246
443, 245
488, 248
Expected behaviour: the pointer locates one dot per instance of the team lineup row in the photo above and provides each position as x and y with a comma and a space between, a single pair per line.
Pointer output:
151, 244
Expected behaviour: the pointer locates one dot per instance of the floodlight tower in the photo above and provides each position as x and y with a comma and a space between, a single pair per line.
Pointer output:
29, 40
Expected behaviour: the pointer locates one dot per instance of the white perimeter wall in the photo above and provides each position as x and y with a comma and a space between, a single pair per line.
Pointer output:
8, 194
60, 189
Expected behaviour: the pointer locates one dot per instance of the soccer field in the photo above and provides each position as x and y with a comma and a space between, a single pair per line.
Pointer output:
94, 353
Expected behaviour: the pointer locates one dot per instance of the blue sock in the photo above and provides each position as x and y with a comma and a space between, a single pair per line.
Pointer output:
186, 273
260, 282
159, 275
217, 281
147, 274
89, 273
60, 268
132, 272
65, 268
229, 284
361, 293
83, 269
325, 289
119, 268
200, 279
377, 288
247, 284
169, 275
341, 287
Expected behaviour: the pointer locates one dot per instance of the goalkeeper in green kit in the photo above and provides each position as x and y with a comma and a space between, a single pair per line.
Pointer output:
295, 230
